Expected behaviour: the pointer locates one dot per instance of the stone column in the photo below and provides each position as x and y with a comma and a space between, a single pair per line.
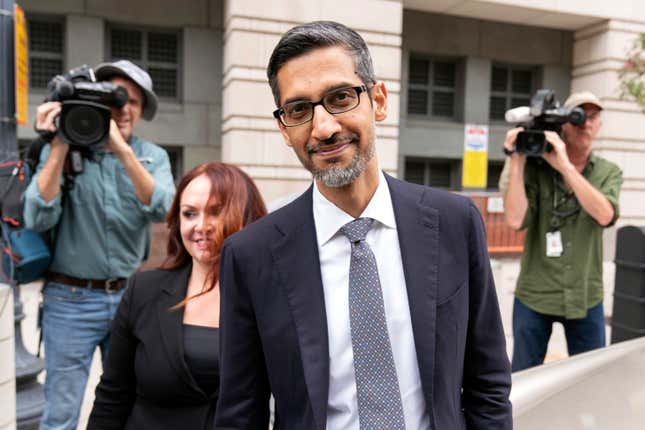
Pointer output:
250, 136
7, 361
599, 51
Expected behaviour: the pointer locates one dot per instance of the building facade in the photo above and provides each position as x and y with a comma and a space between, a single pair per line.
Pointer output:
445, 63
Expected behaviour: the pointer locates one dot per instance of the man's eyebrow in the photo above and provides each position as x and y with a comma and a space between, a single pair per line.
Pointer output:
326, 91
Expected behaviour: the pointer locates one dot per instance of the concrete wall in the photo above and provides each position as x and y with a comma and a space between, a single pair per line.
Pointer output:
477, 44
598, 53
7, 363
194, 120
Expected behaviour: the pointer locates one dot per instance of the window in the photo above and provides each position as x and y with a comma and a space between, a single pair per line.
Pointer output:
432, 87
510, 87
176, 158
440, 173
156, 51
45, 50
494, 172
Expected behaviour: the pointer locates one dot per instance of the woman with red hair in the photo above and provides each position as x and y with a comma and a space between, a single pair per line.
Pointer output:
161, 370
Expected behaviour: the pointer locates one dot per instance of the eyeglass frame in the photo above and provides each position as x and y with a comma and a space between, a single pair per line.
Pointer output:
359, 90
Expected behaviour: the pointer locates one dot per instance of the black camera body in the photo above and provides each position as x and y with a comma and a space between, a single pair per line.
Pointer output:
544, 114
84, 120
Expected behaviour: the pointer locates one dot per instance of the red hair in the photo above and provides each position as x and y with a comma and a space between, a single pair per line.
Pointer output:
233, 197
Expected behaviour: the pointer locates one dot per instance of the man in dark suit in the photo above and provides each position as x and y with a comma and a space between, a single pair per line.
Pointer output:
366, 303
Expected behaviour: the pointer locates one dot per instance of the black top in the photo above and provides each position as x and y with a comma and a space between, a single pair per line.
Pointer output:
201, 351
146, 382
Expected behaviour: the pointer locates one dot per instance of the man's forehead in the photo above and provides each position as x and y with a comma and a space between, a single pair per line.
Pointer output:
317, 71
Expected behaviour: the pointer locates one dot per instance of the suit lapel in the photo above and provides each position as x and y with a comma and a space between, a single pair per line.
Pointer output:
171, 323
418, 230
297, 272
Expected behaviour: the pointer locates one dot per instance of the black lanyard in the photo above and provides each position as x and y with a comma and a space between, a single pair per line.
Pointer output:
559, 213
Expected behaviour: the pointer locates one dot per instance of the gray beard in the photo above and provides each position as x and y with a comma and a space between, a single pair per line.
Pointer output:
336, 176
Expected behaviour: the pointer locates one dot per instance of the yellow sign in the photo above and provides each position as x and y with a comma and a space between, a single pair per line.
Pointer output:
475, 165
475, 169
22, 68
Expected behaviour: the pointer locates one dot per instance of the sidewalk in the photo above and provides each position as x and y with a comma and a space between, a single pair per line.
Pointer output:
505, 272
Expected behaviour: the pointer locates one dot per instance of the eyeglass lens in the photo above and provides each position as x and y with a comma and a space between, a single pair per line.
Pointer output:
337, 101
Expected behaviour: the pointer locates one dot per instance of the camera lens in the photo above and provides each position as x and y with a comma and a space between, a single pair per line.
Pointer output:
84, 125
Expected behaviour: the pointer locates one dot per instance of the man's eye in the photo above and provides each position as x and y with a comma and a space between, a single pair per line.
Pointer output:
341, 98
297, 110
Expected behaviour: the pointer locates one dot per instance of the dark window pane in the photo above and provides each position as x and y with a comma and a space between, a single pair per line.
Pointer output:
419, 71
522, 81
126, 44
443, 104
414, 172
164, 81
493, 174
444, 74
499, 79
516, 102
418, 102
46, 36
175, 156
162, 47
440, 175
41, 70
497, 107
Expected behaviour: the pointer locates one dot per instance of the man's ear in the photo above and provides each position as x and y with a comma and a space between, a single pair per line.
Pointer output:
379, 101
285, 135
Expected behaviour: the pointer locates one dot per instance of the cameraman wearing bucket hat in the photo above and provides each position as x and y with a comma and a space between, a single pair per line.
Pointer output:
564, 200
102, 230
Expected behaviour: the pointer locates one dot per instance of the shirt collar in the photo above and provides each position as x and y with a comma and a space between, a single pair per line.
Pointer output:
329, 218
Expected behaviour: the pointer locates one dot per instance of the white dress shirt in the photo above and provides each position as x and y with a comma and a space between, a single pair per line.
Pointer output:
334, 250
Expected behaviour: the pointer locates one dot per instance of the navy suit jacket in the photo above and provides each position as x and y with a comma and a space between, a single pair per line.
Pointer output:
273, 324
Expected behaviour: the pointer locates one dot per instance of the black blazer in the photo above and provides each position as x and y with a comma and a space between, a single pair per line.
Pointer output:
273, 324
146, 383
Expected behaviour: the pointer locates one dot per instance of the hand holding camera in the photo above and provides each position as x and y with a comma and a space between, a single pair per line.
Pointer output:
544, 114
557, 157
83, 108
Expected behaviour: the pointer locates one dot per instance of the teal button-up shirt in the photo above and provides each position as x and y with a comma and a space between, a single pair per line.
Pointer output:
104, 229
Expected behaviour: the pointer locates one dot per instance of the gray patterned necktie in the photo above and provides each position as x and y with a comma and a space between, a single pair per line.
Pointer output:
377, 386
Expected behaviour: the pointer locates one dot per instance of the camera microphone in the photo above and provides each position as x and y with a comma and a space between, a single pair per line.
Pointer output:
518, 115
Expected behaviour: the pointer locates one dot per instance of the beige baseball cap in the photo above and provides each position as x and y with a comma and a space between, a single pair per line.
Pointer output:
578, 99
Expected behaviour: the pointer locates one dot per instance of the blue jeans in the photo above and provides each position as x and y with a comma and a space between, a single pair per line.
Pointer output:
75, 321
532, 330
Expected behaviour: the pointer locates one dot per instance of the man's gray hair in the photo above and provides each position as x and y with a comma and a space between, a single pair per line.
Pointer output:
319, 34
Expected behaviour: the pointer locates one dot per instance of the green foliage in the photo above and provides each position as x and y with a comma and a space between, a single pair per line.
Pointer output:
632, 74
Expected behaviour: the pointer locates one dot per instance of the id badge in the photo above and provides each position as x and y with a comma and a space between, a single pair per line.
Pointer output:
553, 244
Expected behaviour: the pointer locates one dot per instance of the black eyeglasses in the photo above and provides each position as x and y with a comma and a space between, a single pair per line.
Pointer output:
334, 102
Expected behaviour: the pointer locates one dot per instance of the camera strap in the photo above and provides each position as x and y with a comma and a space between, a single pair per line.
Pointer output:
563, 207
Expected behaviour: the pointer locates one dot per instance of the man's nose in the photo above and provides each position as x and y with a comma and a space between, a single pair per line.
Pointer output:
324, 125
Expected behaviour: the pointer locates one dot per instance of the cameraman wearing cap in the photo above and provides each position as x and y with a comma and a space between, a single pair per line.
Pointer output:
102, 235
564, 200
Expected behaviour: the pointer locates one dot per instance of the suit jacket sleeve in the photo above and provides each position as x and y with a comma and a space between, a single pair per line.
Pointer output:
487, 374
116, 391
244, 388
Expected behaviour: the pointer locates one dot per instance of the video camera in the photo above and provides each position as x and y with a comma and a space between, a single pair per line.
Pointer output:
85, 114
544, 113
